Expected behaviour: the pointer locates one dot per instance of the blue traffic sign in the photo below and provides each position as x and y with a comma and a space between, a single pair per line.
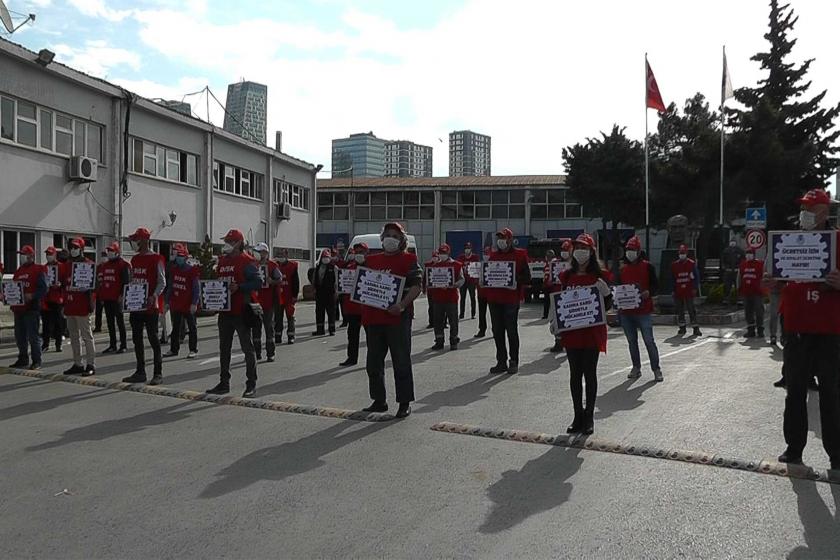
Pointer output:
756, 218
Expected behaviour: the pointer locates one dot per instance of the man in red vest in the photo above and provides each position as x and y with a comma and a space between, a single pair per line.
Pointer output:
97, 322
147, 267
811, 312
390, 330
114, 274
637, 271
504, 303
352, 310
182, 296
550, 258
446, 299
34, 282
52, 313
79, 304
470, 282
425, 287
286, 295
240, 270
482, 302
686, 278
270, 277
750, 273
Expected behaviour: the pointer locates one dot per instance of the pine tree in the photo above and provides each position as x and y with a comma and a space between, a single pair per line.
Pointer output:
784, 142
206, 259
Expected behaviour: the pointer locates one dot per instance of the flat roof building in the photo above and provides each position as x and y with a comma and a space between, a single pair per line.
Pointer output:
246, 110
407, 159
469, 154
358, 155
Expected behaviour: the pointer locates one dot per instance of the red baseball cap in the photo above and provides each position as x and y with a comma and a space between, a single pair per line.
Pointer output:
115, 247
507, 233
634, 243
140, 233
567, 245
180, 249
394, 225
444, 249
234, 235
683, 248
326, 253
467, 245
78, 242
815, 196
488, 250
360, 247
27, 250
51, 250
586, 239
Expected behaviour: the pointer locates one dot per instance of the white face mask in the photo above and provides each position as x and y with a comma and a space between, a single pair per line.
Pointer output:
683, 256
28, 259
731, 243
359, 258
50, 259
390, 245
749, 257
565, 255
135, 245
502, 244
325, 260
75, 252
581, 256
631, 255
282, 260
807, 220
444, 257
227, 248
468, 252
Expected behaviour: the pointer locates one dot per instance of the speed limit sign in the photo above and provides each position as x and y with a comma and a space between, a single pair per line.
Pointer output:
756, 239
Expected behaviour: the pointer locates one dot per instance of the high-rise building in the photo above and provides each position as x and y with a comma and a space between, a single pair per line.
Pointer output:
469, 154
180, 106
245, 110
359, 155
407, 159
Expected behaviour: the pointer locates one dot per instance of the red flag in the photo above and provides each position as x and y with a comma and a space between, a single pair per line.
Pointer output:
653, 98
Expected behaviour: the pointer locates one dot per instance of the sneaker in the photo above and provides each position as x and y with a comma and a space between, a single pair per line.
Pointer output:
269, 358
453, 344
291, 340
171, 354
438, 345
74, 370
513, 367
250, 393
635, 373
558, 346
789, 458
89, 370
812, 385
681, 331
772, 341
220, 389
192, 355
110, 350
35, 366
136, 377
156, 380
479, 334
122, 350
23, 364
404, 410
657, 375
750, 333
696, 332
348, 362
501, 367
376, 406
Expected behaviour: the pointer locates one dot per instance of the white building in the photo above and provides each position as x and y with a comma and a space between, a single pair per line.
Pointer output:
152, 164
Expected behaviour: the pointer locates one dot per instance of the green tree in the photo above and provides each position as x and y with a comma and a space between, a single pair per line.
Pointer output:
784, 142
206, 259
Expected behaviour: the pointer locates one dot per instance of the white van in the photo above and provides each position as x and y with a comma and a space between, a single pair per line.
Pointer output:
375, 244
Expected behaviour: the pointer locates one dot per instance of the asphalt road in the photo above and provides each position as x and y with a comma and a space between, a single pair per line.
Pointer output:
97, 473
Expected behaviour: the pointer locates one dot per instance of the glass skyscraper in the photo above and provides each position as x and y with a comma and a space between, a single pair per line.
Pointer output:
363, 152
245, 110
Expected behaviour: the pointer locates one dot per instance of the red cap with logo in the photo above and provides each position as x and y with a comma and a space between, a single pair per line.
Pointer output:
51, 250
815, 196
634, 243
444, 249
467, 245
360, 247
27, 250
507, 233
586, 239
234, 235
78, 242
567, 245
180, 249
140, 233
683, 249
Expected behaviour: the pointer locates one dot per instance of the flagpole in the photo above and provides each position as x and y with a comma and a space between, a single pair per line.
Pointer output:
722, 133
647, 170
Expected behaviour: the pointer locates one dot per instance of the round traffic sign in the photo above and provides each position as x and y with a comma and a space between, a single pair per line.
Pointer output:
756, 238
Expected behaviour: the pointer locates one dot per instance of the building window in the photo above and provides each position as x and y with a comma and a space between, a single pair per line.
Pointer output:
295, 195
12, 242
165, 163
554, 204
240, 182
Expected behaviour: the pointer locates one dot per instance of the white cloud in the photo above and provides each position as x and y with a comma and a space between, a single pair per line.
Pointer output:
535, 75
97, 8
41, 3
96, 57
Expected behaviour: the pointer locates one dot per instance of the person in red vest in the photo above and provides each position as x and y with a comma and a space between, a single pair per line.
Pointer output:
79, 304
811, 313
686, 285
268, 292
550, 257
100, 308
470, 283
566, 258
147, 267
353, 310
482, 301
425, 288
446, 300
114, 274
241, 271
638, 271
286, 297
340, 262
583, 346
182, 295
390, 330
52, 311
33, 279
504, 303
750, 273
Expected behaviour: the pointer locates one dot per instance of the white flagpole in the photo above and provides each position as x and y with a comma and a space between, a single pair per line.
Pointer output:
722, 132
647, 170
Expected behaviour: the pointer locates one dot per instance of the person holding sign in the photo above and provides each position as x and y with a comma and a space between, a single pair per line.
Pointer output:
686, 277
583, 345
324, 282
750, 273
52, 311
78, 280
556, 268
425, 286
389, 330
482, 299
287, 292
550, 257
353, 310
147, 267
182, 296
115, 274
640, 276
445, 278
240, 270
270, 277
811, 313
32, 280
504, 301
470, 280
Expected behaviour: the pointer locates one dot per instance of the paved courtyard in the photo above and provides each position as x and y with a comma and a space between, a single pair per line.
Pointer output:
91, 472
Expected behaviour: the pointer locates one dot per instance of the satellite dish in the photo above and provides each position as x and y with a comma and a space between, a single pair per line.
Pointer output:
6, 18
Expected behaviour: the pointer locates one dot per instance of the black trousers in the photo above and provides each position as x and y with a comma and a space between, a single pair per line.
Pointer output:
431, 310
115, 320
268, 327
467, 287
546, 300
806, 355
324, 305
354, 329
97, 322
52, 321
339, 310
482, 314
149, 322
228, 326
382, 339
504, 320
446, 312
178, 320
583, 366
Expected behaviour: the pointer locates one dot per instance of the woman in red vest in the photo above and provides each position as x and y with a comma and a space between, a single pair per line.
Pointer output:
482, 301
686, 279
270, 276
584, 345
53, 308
446, 300
182, 295
34, 282
114, 274
750, 273
286, 296
638, 271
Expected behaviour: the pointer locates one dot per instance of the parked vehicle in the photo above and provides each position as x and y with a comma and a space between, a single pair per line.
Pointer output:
536, 260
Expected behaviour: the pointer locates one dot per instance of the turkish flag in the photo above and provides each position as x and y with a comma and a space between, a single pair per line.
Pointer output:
653, 98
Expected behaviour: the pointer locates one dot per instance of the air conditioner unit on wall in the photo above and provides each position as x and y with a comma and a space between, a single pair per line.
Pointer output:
82, 169
284, 211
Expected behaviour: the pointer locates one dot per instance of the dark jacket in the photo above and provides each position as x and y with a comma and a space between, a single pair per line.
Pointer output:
325, 286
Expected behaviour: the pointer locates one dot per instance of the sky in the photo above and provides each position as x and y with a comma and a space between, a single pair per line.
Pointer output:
536, 75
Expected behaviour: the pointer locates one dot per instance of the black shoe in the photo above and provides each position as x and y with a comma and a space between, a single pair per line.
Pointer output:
156, 380
259, 356
438, 345
318, 333
136, 377
250, 393
588, 424
97, 330
472, 316
558, 347
681, 331
332, 332
74, 370
122, 350
430, 326
772, 340
789, 458
342, 325
513, 367
44, 347
291, 340
750, 333
376, 406
835, 465
110, 350
278, 340
89, 370
760, 333
269, 358
220, 389
23, 364
35, 365
453, 344
170, 354
780, 383
545, 316
348, 362
163, 340
58, 347
404, 410
812, 385
576, 425
461, 316
501, 367
696, 332
479, 334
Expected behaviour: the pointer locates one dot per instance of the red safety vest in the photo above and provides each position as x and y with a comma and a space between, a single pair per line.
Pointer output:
590, 337
502, 295
76, 304
638, 273
683, 274
351, 307
55, 293
446, 295
288, 270
144, 268
811, 307
28, 275
464, 259
111, 279
233, 269
751, 274
181, 293
399, 264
